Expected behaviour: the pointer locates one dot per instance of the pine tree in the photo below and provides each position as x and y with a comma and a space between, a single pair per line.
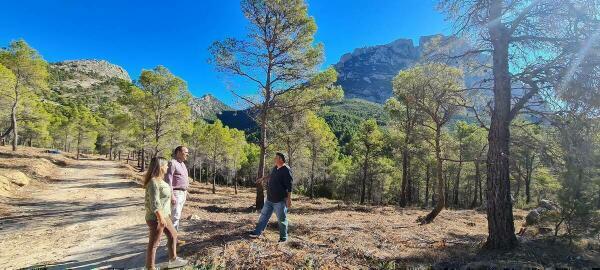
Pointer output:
280, 57
31, 79
436, 90
166, 100
366, 146
536, 44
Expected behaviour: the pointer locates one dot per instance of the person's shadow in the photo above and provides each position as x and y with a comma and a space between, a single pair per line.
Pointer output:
135, 259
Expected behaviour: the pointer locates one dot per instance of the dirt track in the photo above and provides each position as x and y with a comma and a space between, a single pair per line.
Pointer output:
92, 217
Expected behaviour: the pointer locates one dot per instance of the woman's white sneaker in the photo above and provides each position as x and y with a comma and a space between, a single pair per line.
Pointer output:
178, 262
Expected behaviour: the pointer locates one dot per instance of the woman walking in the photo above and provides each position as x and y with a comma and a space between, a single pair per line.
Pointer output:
158, 210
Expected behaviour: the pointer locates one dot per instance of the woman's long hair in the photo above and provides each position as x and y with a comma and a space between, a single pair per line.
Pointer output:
155, 170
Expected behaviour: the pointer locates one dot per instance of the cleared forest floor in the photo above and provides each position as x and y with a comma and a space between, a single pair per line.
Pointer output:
327, 234
89, 214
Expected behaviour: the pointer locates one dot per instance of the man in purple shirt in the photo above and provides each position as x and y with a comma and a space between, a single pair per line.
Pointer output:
177, 178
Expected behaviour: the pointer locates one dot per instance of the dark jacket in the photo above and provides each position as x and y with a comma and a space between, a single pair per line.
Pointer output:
280, 183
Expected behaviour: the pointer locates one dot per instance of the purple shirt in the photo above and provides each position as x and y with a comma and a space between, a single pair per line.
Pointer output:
177, 175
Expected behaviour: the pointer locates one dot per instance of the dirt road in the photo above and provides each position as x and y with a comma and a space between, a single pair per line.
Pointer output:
93, 217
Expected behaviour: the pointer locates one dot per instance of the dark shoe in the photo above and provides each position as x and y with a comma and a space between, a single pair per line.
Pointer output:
282, 240
252, 234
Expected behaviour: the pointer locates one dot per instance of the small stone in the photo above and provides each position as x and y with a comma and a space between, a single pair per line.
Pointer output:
547, 204
533, 217
193, 217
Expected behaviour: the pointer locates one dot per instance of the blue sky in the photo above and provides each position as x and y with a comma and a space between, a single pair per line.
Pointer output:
139, 34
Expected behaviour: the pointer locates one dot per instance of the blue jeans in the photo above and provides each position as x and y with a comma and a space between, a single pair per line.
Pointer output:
265, 214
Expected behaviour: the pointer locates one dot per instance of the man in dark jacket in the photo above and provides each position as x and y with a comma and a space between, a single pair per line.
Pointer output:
279, 198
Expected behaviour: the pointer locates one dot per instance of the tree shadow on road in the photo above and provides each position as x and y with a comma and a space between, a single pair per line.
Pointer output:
61, 213
111, 185
127, 250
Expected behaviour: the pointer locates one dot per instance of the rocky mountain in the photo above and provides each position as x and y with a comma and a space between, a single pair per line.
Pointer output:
208, 107
98, 81
92, 81
86, 73
367, 73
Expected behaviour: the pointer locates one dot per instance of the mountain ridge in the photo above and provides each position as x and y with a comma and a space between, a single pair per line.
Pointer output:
97, 81
208, 107
367, 72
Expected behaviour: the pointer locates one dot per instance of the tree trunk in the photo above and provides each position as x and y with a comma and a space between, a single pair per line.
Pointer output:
290, 152
456, 200
260, 195
518, 184
370, 193
468, 192
527, 189
13, 118
440, 196
312, 172
78, 144
404, 195
143, 167
446, 187
528, 175
235, 180
410, 185
201, 166
598, 202
427, 185
480, 187
214, 180
235, 185
345, 196
476, 184
501, 228
414, 192
364, 177
3, 136
433, 189
194, 172
110, 148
